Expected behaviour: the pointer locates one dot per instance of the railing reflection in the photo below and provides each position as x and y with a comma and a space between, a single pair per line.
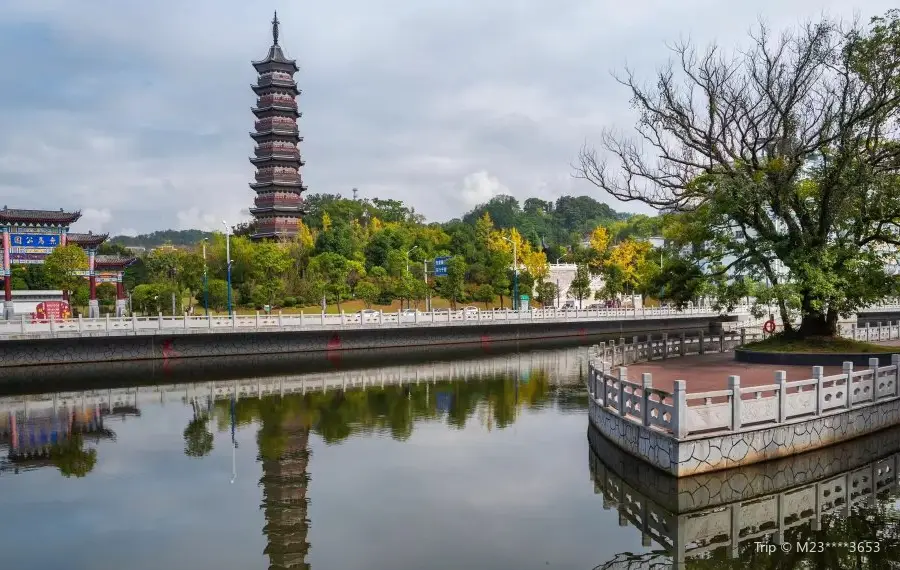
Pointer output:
724, 515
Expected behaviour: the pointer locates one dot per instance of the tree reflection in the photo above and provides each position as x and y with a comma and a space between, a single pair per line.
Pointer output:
71, 458
394, 409
198, 439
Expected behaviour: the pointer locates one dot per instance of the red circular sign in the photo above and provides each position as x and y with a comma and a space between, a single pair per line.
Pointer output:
769, 327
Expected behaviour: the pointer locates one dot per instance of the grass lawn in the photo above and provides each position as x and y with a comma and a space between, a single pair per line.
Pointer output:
818, 345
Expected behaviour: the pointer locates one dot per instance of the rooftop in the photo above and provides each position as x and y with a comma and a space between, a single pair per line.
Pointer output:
113, 260
60, 216
89, 238
275, 54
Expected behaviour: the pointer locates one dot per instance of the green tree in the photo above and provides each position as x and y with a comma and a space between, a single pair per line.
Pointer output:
331, 270
783, 163
546, 293
580, 288
483, 294
368, 292
452, 286
61, 267
270, 262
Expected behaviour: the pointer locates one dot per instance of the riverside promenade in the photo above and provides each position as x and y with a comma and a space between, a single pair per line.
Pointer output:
702, 412
329, 337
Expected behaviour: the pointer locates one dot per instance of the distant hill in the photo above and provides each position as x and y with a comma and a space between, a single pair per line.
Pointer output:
158, 238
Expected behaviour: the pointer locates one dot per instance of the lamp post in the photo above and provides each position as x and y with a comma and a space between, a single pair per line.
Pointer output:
407, 256
407, 272
228, 261
205, 280
515, 275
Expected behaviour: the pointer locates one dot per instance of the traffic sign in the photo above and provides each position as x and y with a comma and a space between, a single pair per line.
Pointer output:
440, 266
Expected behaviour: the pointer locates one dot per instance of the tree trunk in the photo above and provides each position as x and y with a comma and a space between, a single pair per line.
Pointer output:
816, 322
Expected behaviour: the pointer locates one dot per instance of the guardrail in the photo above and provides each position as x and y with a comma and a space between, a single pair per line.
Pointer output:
734, 407
154, 325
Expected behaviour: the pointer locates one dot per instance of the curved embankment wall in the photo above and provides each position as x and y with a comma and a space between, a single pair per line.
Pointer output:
326, 343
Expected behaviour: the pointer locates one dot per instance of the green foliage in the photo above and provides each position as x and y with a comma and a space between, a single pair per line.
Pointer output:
61, 265
546, 293
218, 295
453, 285
368, 291
580, 288
810, 202
158, 238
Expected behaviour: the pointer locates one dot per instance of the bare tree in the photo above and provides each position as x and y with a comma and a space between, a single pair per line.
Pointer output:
783, 155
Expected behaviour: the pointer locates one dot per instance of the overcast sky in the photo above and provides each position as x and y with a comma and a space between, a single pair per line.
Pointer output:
138, 112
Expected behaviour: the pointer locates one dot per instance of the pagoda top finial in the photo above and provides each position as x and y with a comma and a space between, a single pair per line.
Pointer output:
275, 29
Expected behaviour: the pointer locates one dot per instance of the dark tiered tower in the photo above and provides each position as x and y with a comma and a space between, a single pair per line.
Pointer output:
278, 205
284, 481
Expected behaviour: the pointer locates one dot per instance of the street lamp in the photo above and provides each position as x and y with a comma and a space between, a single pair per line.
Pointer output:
407, 256
228, 261
515, 275
205, 280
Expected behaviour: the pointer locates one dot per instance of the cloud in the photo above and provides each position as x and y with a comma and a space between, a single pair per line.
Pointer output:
401, 100
479, 187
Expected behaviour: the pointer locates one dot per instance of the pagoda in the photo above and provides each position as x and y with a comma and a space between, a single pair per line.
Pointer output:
278, 205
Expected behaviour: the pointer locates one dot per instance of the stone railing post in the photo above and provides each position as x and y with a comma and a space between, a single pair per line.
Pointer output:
80, 323
342, 317
52, 326
743, 336
280, 321
679, 402
646, 385
895, 361
868, 332
649, 347
665, 346
818, 372
22, 324
722, 341
734, 384
682, 344
256, 323
847, 371
701, 341
636, 348
780, 380
622, 344
623, 377
134, 325
159, 322
187, 322
873, 364
233, 320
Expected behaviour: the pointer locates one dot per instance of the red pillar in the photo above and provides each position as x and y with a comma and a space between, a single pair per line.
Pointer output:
7, 287
120, 289
93, 281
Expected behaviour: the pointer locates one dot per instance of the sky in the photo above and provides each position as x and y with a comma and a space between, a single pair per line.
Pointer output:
138, 113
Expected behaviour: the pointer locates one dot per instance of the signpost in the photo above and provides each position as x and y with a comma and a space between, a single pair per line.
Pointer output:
56, 310
440, 266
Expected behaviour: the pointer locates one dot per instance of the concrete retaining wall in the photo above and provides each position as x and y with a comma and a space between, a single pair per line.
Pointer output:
327, 343
701, 454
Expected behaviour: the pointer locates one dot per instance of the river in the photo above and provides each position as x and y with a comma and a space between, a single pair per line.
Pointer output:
483, 463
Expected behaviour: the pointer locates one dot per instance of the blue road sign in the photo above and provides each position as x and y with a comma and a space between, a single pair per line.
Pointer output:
440, 266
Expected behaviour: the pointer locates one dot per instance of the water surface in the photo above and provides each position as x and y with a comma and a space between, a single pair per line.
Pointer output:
468, 464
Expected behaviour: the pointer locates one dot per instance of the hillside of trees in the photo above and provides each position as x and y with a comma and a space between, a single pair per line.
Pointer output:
161, 237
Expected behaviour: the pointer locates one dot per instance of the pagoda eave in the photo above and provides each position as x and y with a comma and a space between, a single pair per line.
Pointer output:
279, 210
113, 262
292, 86
295, 159
256, 135
262, 110
297, 186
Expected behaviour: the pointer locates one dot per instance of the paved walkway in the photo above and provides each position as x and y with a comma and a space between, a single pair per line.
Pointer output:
711, 372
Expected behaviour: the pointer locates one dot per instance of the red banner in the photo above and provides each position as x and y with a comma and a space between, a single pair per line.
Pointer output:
57, 310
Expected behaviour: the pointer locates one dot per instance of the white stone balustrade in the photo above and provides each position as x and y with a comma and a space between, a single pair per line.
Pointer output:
317, 321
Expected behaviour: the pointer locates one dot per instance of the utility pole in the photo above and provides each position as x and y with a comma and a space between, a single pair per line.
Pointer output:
205, 280
427, 292
228, 261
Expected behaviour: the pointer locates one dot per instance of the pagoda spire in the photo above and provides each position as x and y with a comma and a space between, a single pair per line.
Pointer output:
275, 29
